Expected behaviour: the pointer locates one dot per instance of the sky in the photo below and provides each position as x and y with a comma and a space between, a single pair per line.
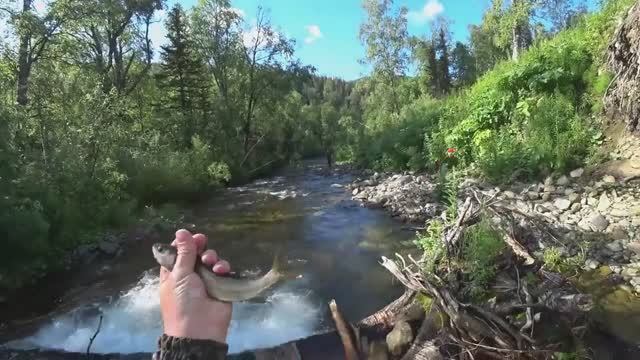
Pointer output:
326, 32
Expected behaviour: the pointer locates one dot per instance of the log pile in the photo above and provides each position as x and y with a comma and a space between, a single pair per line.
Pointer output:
622, 98
455, 327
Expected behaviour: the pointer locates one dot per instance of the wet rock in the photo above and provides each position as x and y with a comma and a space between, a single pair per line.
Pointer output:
576, 173
108, 247
562, 181
378, 351
599, 222
400, 338
562, 204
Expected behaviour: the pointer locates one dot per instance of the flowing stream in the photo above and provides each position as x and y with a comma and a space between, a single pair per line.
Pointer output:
332, 246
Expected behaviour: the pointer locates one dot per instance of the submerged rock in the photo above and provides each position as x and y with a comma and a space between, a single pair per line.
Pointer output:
400, 338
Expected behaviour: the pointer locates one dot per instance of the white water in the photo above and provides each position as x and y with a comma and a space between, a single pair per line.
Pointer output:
132, 323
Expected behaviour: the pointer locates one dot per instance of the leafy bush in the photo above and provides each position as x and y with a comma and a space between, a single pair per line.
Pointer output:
482, 245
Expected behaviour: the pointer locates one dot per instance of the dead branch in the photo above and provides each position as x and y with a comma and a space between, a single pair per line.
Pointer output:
346, 333
94, 335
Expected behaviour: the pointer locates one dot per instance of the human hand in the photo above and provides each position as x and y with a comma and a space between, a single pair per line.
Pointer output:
187, 310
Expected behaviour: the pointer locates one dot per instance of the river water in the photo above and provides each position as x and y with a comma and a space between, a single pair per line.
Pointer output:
331, 243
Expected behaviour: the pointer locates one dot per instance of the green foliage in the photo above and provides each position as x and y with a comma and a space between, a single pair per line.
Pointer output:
430, 241
482, 245
555, 259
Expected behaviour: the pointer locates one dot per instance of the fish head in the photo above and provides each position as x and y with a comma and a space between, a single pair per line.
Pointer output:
165, 255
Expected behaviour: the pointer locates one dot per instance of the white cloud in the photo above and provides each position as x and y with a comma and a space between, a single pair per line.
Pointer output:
313, 34
252, 36
428, 12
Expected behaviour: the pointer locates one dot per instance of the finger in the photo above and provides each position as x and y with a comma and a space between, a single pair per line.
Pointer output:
209, 257
187, 252
164, 274
201, 242
222, 267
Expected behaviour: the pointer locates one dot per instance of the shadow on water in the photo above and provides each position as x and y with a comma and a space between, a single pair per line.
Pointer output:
331, 243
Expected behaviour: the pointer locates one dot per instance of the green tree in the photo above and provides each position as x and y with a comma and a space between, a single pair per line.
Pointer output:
385, 37
463, 66
181, 77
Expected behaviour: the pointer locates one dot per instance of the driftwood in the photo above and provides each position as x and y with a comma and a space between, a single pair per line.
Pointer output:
349, 340
383, 320
482, 330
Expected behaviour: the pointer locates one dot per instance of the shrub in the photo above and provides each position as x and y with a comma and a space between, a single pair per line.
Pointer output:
482, 245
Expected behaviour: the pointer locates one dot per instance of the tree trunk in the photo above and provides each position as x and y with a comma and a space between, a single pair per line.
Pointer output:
515, 43
24, 64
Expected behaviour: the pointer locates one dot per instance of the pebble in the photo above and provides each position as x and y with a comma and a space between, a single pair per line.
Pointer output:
604, 202
576, 173
562, 181
599, 222
609, 179
562, 204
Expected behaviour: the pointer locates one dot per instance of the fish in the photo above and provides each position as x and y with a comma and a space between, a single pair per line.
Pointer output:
222, 288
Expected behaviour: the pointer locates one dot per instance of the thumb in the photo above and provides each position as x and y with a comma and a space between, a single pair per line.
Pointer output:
187, 253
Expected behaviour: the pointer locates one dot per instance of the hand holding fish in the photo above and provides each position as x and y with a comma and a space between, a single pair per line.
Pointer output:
187, 310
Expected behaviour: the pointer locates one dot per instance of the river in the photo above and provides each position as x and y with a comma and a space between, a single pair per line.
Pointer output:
331, 243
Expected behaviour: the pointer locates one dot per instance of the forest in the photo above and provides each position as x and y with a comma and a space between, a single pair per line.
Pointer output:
95, 128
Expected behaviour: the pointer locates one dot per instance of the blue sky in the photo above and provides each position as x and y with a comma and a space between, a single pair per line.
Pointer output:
326, 32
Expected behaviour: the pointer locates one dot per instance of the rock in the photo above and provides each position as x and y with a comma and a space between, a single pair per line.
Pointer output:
532, 195
604, 202
400, 338
635, 247
376, 176
574, 198
592, 264
619, 213
548, 181
609, 179
403, 180
546, 196
355, 191
108, 247
576, 173
562, 204
563, 181
619, 233
575, 208
509, 194
614, 246
592, 201
378, 351
599, 222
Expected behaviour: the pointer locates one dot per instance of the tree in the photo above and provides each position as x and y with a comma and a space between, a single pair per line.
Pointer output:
441, 49
463, 66
182, 77
35, 34
385, 37
114, 36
